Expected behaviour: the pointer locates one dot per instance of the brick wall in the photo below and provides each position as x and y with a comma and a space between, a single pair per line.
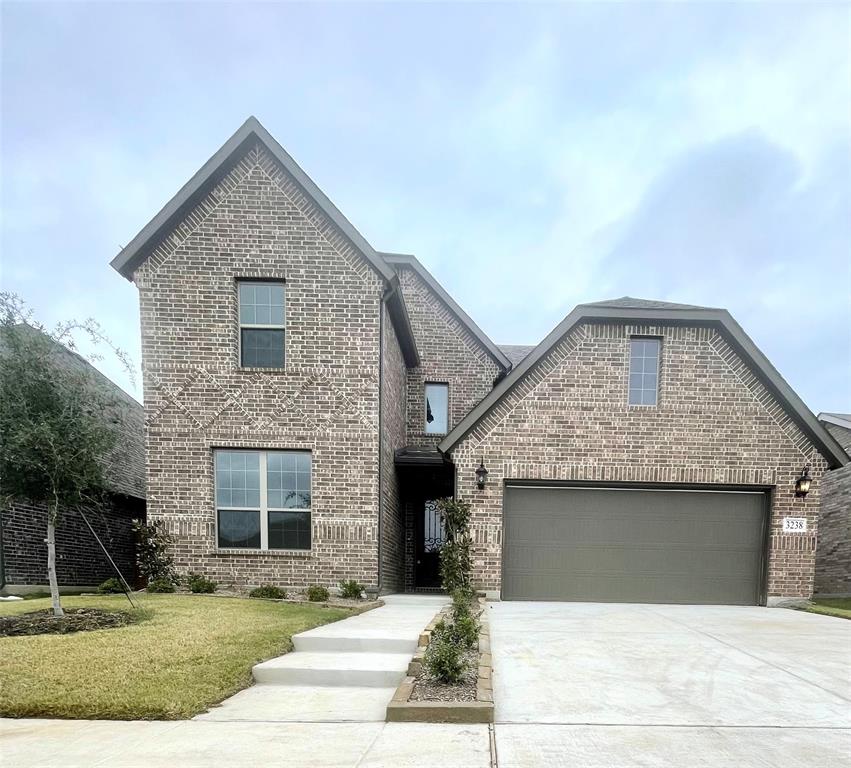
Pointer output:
568, 419
833, 557
392, 437
79, 559
257, 223
449, 353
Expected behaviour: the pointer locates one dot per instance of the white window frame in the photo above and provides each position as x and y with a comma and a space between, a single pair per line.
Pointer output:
264, 508
658, 340
426, 385
260, 326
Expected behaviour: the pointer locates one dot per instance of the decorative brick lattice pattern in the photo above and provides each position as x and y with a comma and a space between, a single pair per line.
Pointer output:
715, 424
258, 223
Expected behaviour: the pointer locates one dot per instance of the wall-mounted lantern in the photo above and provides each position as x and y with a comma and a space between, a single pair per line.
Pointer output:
481, 475
802, 484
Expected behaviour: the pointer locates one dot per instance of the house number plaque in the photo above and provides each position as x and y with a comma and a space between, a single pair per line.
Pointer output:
794, 525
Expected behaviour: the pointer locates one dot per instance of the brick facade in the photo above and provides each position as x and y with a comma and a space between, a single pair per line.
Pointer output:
833, 558
257, 223
449, 354
568, 419
80, 561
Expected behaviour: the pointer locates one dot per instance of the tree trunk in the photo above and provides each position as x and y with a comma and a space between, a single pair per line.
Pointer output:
51, 562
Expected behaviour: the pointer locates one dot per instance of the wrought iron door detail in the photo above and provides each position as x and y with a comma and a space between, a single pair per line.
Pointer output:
432, 527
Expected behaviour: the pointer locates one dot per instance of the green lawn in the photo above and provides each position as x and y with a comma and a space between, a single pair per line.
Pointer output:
832, 606
186, 654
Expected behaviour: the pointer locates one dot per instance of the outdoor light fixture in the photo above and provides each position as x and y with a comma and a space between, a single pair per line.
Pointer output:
481, 474
802, 484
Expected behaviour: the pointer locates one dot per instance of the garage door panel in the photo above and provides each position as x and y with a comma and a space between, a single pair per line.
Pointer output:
632, 545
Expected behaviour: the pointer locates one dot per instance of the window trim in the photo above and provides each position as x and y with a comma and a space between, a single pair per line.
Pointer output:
264, 509
644, 337
259, 326
426, 385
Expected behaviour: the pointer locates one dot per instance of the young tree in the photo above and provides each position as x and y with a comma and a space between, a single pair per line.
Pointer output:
57, 424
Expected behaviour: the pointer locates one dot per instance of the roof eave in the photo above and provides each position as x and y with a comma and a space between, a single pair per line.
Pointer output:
133, 254
406, 259
803, 416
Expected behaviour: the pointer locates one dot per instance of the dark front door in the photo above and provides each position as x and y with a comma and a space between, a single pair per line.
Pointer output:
429, 539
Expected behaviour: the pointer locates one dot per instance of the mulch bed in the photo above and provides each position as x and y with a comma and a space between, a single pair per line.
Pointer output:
75, 620
426, 688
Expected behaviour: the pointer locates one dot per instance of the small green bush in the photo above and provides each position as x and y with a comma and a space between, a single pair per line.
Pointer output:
160, 585
351, 589
269, 591
466, 631
200, 584
317, 594
443, 657
111, 587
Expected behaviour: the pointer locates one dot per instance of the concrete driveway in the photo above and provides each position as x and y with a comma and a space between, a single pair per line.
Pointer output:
589, 684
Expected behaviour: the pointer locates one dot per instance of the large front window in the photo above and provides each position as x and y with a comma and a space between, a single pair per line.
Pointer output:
261, 324
263, 499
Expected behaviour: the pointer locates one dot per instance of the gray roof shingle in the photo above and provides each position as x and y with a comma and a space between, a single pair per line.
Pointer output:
628, 302
516, 352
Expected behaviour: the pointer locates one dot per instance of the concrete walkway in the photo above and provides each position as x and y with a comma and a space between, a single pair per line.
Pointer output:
593, 685
346, 671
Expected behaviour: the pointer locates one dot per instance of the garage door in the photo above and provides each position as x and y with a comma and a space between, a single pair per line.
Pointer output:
632, 545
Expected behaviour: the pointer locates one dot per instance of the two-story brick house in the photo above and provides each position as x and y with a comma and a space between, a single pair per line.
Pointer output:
308, 398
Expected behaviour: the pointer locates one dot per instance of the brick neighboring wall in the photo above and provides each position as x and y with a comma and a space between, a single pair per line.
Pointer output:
449, 353
257, 223
569, 420
79, 559
392, 437
833, 557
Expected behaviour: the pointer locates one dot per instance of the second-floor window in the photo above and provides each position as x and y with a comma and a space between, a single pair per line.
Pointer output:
436, 409
261, 324
644, 371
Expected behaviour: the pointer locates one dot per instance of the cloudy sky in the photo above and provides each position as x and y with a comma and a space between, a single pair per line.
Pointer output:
532, 156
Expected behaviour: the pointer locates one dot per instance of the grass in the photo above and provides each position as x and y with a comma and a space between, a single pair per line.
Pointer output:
832, 606
186, 653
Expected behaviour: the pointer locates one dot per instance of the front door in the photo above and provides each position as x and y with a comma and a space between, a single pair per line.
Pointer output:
429, 537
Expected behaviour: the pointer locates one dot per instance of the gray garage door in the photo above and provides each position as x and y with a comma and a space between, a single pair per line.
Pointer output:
633, 546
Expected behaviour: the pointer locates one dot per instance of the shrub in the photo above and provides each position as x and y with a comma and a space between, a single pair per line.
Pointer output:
161, 585
456, 563
351, 589
268, 591
199, 583
111, 587
443, 657
317, 594
465, 630
153, 557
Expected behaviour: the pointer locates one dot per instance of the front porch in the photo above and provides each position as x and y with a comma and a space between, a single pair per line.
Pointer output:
424, 477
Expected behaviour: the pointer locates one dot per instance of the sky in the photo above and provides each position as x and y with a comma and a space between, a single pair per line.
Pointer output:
532, 156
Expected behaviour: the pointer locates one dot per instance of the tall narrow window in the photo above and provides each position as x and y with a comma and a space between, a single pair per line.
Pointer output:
261, 324
263, 499
644, 371
436, 408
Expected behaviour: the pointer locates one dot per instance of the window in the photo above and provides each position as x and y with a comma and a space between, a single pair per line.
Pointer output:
644, 371
263, 499
261, 324
436, 408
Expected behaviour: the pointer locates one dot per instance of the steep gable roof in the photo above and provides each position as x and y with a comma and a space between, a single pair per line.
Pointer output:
407, 260
678, 315
190, 194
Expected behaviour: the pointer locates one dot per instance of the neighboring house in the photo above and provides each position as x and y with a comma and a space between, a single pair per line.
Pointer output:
80, 561
308, 398
833, 557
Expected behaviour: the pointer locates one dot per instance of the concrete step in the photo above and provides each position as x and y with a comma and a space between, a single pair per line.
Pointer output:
380, 642
339, 669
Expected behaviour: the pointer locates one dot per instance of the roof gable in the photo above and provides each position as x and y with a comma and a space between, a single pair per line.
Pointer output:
214, 170
680, 314
407, 260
